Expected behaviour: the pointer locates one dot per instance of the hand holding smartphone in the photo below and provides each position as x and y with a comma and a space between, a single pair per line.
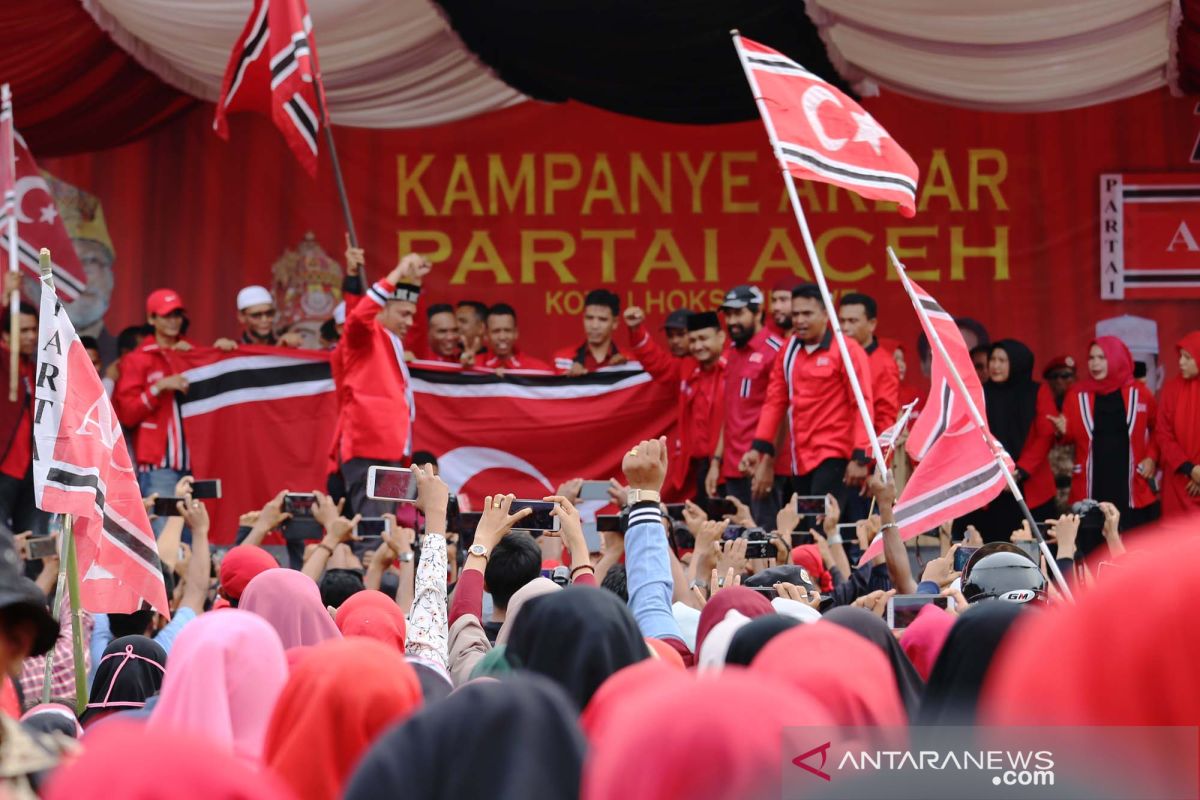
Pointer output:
391, 483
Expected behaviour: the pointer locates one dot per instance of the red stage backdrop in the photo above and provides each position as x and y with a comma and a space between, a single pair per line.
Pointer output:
537, 204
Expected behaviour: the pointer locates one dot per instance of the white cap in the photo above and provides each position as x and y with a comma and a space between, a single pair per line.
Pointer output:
339, 313
1139, 334
254, 296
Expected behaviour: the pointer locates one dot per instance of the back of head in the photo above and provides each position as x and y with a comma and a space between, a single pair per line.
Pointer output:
241, 565
872, 628
748, 602
577, 637
339, 585
291, 603
510, 740
128, 674
515, 561
374, 615
614, 581
1002, 571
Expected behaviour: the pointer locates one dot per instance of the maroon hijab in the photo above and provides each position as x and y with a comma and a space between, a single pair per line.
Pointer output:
747, 601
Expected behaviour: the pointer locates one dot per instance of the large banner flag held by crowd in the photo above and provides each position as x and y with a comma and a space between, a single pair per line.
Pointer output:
81, 466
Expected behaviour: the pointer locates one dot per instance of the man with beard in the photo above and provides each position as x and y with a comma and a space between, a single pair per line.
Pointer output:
257, 314
780, 321
748, 366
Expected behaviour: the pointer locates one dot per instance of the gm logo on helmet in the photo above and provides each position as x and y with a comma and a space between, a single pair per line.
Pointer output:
1018, 596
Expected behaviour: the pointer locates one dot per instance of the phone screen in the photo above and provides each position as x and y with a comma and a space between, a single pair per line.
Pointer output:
811, 504
165, 506
961, 556
42, 548
372, 527
902, 609
718, 507
608, 523
207, 489
391, 483
675, 511
593, 490
539, 520
799, 539
299, 505
1030, 549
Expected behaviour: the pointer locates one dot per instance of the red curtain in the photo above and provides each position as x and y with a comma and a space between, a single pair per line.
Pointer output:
74, 89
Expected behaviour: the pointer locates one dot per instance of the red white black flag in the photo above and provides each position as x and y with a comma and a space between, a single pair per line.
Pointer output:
27, 207
823, 135
81, 466
273, 71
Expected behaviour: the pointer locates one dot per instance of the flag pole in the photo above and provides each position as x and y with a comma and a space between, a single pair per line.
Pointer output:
68, 571
319, 86
14, 303
863, 410
977, 418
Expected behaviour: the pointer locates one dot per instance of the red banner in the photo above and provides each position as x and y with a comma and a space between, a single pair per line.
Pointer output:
536, 204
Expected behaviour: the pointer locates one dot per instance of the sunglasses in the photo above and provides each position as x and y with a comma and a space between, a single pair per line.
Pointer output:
263, 314
1061, 376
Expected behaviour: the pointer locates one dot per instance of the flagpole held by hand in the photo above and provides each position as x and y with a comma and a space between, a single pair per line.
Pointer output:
977, 417
851, 373
14, 302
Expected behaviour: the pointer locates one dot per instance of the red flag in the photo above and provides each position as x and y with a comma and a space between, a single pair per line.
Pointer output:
27, 200
823, 135
273, 71
81, 466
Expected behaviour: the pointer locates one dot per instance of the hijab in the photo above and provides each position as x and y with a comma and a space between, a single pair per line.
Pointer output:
716, 644
291, 602
435, 681
1120, 368
854, 679
1186, 421
664, 652
713, 737
343, 695
809, 557
622, 687
957, 678
1012, 405
747, 601
512, 739
873, 628
372, 614
577, 637
52, 718
535, 588
751, 638
227, 670
923, 639
130, 672
239, 566
126, 760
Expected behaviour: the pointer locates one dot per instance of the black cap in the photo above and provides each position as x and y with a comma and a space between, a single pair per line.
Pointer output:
742, 296
703, 319
785, 573
21, 598
677, 320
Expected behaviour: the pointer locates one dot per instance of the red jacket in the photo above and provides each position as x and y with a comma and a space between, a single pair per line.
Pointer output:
156, 425
747, 375
885, 386
813, 391
583, 354
1035, 455
375, 417
516, 361
667, 368
1078, 408
1178, 432
16, 421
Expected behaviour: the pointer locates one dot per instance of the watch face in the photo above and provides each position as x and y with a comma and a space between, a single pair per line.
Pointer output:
477, 550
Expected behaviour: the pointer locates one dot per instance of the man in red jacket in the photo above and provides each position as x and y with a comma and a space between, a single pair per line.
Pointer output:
502, 335
858, 314
376, 413
811, 387
17, 509
146, 398
601, 309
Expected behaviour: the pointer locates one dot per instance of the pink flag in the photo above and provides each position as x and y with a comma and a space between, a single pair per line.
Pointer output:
82, 467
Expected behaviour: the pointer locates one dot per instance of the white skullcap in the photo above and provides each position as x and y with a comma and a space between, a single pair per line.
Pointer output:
339, 313
254, 296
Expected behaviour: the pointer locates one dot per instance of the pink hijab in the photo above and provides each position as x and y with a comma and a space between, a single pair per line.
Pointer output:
923, 639
226, 671
1120, 368
291, 602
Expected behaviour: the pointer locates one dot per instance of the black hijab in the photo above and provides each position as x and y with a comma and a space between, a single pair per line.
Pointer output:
508, 740
754, 635
958, 674
873, 628
1012, 405
129, 674
577, 637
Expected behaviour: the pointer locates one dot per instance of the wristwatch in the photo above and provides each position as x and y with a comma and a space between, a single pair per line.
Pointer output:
406, 557
636, 496
478, 550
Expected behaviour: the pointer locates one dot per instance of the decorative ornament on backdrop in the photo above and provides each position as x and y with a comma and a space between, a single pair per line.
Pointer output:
307, 284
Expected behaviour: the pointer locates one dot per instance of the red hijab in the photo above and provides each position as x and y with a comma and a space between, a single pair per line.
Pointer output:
372, 614
338, 700
855, 679
124, 759
749, 602
923, 639
809, 557
716, 737
240, 565
622, 687
1120, 368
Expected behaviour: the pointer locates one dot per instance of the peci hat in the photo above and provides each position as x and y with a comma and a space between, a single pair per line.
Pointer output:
742, 296
1057, 363
254, 296
703, 319
677, 320
163, 301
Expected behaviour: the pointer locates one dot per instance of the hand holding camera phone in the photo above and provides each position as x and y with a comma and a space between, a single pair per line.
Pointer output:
391, 483
902, 609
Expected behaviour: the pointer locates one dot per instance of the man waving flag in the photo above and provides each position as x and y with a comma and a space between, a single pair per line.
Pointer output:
81, 466
273, 71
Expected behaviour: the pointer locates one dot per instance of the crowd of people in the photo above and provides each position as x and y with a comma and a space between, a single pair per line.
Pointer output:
447, 658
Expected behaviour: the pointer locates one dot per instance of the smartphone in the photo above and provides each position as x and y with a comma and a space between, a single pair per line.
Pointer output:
391, 483
207, 489
768, 592
539, 520
1031, 549
165, 506
800, 539
718, 507
42, 547
759, 548
608, 523
594, 490
811, 504
902, 609
961, 556
373, 527
299, 505
675, 511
